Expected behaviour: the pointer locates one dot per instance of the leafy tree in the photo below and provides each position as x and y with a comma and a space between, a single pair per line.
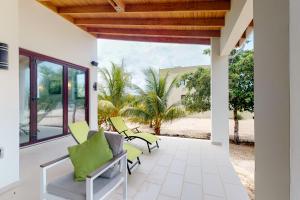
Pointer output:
241, 87
113, 92
197, 83
152, 102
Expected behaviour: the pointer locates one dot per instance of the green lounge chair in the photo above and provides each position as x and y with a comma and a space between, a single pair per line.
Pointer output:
81, 132
120, 126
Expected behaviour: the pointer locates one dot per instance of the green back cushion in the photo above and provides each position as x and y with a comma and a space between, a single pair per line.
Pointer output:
90, 155
80, 131
118, 123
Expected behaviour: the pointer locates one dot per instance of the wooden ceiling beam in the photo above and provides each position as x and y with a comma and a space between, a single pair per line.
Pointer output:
118, 5
206, 22
223, 5
156, 32
181, 40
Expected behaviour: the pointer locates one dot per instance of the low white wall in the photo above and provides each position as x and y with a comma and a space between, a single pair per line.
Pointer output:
9, 95
45, 32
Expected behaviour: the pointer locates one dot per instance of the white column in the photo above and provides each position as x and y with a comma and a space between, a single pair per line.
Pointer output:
219, 96
295, 98
272, 99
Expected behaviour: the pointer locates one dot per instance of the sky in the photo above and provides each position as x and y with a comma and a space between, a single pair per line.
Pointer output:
137, 56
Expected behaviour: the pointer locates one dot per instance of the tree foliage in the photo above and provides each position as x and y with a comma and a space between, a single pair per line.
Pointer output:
197, 83
241, 82
152, 106
113, 94
241, 86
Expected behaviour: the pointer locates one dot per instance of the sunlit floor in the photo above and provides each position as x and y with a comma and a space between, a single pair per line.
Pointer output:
187, 169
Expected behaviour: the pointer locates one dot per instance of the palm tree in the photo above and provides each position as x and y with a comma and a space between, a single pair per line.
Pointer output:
153, 107
113, 96
116, 82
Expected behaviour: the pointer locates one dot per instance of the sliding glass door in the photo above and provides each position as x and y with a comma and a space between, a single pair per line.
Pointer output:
76, 95
49, 99
53, 93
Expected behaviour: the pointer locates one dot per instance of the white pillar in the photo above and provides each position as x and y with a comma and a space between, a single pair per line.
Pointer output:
272, 99
295, 98
219, 96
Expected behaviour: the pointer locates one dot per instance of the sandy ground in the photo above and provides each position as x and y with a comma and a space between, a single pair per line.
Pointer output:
242, 156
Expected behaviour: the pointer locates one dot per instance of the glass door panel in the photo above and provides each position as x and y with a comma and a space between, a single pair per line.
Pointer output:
24, 99
49, 99
76, 95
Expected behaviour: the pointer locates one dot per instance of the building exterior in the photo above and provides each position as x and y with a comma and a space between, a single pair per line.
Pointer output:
178, 93
37, 35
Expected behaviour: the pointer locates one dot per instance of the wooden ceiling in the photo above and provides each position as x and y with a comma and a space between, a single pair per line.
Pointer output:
173, 21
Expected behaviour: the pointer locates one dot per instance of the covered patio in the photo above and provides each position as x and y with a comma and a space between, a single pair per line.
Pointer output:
184, 169
65, 33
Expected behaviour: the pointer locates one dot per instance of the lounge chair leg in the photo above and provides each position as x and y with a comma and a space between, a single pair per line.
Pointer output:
149, 149
138, 160
128, 169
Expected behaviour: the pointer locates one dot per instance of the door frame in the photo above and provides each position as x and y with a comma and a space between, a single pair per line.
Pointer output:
33, 57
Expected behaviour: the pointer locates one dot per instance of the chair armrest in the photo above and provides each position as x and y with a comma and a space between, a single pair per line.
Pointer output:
54, 162
137, 129
107, 165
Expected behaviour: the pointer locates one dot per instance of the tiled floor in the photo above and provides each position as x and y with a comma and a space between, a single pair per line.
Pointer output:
185, 169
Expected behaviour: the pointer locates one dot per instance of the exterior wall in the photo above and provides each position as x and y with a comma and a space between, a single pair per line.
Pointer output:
9, 100
177, 92
45, 32
295, 98
219, 96
272, 99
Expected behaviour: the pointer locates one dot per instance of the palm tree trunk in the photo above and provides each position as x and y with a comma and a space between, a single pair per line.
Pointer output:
236, 127
151, 124
157, 126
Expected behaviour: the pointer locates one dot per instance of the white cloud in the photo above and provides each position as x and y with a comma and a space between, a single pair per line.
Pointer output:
138, 56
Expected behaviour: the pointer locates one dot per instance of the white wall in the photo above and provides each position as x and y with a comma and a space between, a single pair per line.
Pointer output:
219, 96
295, 98
9, 95
45, 32
272, 99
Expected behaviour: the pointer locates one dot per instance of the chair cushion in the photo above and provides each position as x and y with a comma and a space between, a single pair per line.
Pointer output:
115, 142
79, 131
132, 152
90, 155
146, 136
67, 188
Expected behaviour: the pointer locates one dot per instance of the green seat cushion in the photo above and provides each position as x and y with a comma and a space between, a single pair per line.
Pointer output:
132, 152
146, 136
120, 126
80, 131
90, 155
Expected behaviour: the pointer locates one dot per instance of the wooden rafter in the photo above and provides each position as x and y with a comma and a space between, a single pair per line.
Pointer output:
207, 22
205, 41
118, 5
149, 7
156, 32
